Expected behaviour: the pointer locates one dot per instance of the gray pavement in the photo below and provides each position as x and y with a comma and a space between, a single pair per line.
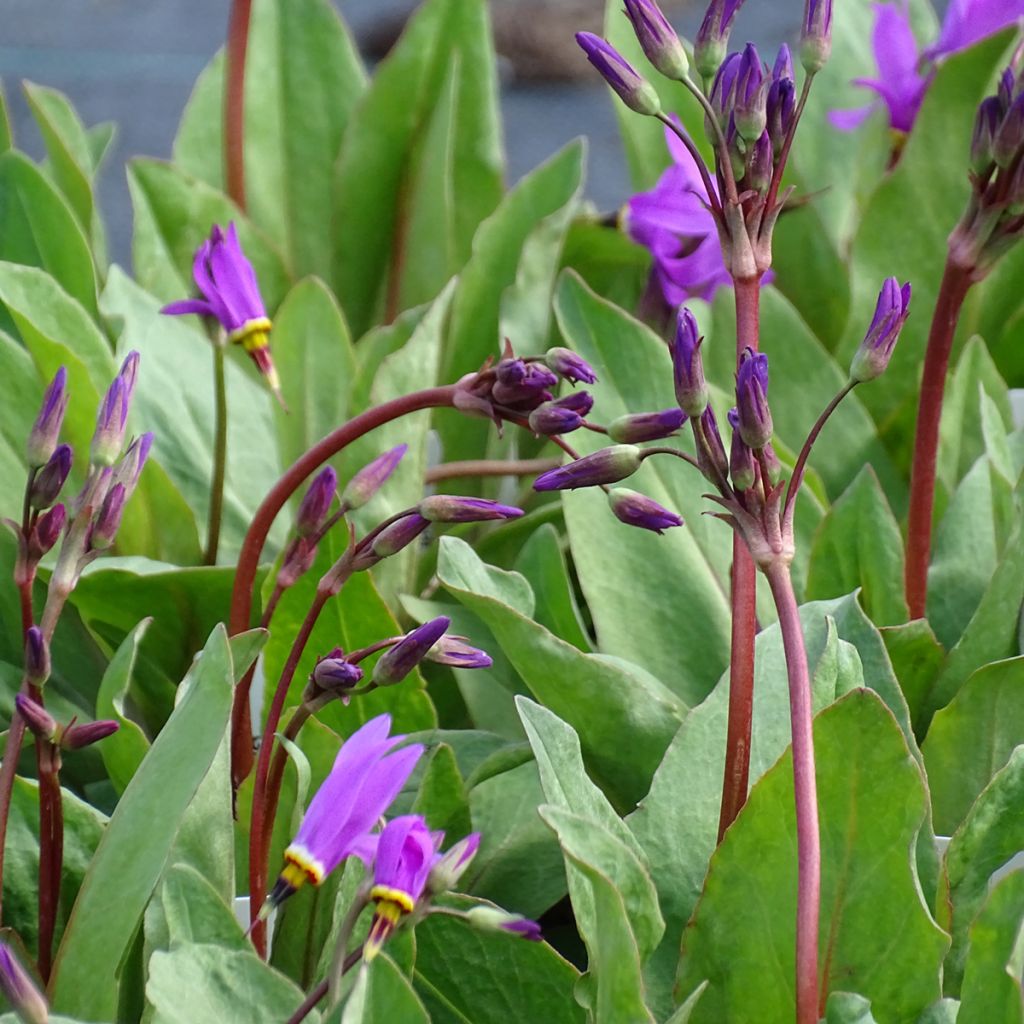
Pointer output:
134, 62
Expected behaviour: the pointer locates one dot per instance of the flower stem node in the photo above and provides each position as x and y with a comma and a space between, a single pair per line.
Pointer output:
634, 90
607, 466
636, 509
658, 39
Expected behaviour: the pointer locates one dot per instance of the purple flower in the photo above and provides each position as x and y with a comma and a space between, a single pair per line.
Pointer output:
713, 36
316, 502
903, 71
398, 661
231, 294
372, 477
20, 990
635, 509
359, 789
454, 651
657, 38
754, 416
636, 92
42, 440
452, 865
607, 466
891, 312
673, 221
449, 508
561, 415
569, 366
646, 426
406, 852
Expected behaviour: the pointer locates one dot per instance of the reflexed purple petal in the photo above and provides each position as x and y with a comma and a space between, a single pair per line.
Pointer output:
969, 21
406, 852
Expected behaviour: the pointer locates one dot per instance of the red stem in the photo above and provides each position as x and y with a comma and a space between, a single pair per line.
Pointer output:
234, 101
252, 546
808, 900
956, 282
51, 851
744, 610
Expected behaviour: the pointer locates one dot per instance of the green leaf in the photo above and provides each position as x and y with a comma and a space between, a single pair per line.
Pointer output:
314, 356
602, 698
384, 160
971, 738
917, 659
123, 873
304, 78
848, 1008
858, 544
125, 750
442, 798
195, 912
382, 994
995, 962
40, 229
685, 1011
992, 833
943, 1011
302, 776
877, 936
466, 975
202, 983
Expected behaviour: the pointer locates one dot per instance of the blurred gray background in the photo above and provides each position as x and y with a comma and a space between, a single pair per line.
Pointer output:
134, 62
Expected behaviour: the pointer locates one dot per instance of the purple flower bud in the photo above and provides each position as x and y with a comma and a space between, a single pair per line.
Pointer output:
46, 430
110, 425
449, 508
549, 419
750, 107
755, 418
723, 90
816, 35
37, 719
646, 426
780, 108
636, 92
530, 390
105, 527
51, 478
1009, 138
47, 531
316, 502
657, 38
986, 124
580, 402
399, 535
129, 373
333, 672
510, 372
891, 312
77, 736
783, 66
635, 509
37, 656
398, 661
491, 919
372, 477
711, 457
298, 560
454, 651
445, 874
569, 366
713, 36
20, 990
607, 466
129, 469
742, 470
687, 366
770, 462
759, 164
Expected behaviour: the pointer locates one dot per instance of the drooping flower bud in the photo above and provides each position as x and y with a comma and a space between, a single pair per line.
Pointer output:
712, 40
510, 372
658, 39
42, 440
635, 91
75, 737
398, 661
449, 508
529, 390
20, 990
816, 35
46, 532
687, 366
399, 535
110, 425
316, 502
635, 509
372, 477
755, 418
37, 719
569, 366
445, 874
454, 651
491, 919
760, 164
891, 312
711, 457
561, 415
50, 480
646, 426
335, 673
750, 106
742, 470
108, 520
607, 466
37, 656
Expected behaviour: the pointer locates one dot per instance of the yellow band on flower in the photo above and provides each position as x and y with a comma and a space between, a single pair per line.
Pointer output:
300, 866
388, 897
252, 335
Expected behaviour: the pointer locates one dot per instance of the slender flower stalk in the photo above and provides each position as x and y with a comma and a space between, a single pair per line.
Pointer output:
234, 101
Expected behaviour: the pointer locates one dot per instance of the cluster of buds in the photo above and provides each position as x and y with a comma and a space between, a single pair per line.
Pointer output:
522, 390
994, 219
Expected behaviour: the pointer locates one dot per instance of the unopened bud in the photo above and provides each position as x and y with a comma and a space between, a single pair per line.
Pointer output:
105, 527
742, 471
635, 509
316, 503
750, 105
335, 674
816, 35
42, 440
50, 480
709, 48
634, 90
372, 477
47, 531
759, 164
445, 874
399, 535
110, 425
891, 312
607, 466
20, 990
454, 651
755, 418
646, 426
77, 736
491, 919
37, 719
569, 366
711, 457
449, 508
398, 661
658, 39
37, 656
687, 366
986, 124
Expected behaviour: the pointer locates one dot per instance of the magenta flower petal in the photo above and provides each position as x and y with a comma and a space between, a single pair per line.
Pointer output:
969, 21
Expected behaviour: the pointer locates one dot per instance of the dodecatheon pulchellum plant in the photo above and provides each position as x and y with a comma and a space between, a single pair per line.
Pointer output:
491, 919
891, 312
607, 466
636, 509
20, 990
366, 777
42, 439
50, 479
712, 40
634, 90
658, 39
646, 426
569, 366
398, 661
452, 865
816, 35
333, 676
451, 508
372, 477
754, 416
456, 652
316, 503
231, 295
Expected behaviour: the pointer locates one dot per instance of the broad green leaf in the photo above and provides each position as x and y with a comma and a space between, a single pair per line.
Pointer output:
917, 659
123, 874
877, 936
304, 77
314, 356
465, 975
381, 995
442, 798
203, 983
848, 1008
383, 160
16, 418
125, 750
971, 738
685, 1011
195, 911
995, 961
40, 229
992, 833
858, 544
606, 700
943, 1011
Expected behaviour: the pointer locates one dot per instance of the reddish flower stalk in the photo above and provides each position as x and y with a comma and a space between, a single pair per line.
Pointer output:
51, 850
234, 101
